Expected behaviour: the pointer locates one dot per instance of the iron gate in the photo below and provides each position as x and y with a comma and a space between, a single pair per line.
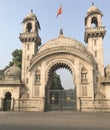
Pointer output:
6, 105
61, 100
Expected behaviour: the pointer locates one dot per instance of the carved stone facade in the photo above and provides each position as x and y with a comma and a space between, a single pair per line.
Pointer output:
91, 79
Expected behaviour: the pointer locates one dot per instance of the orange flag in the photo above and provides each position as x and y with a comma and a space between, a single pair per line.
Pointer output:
59, 11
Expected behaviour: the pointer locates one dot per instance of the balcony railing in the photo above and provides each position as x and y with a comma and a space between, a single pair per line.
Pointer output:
99, 29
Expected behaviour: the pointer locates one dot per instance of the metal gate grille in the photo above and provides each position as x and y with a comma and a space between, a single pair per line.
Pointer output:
6, 105
61, 100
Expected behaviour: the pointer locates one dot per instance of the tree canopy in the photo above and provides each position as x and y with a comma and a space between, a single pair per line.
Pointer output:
56, 82
16, 58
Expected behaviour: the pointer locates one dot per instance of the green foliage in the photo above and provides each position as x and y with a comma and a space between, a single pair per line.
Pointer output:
17, 58
56, 82
1, 73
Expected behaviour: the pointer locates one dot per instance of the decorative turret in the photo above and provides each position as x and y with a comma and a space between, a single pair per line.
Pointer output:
31, 40
12, 73
93, 23
94, 34
30, 29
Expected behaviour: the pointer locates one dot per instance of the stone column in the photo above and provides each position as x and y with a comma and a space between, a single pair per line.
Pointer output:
12, 104
77, 83
1, 104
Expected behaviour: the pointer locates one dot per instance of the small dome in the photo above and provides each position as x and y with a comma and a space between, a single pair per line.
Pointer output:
31, 15
13, 71
93, 8
107, 71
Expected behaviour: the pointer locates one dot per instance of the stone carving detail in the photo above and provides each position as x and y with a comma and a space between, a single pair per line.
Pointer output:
86, 102
71, 50
25, 95
99, 95
37, 77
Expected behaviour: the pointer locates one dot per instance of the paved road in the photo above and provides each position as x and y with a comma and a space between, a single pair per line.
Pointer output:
54, 121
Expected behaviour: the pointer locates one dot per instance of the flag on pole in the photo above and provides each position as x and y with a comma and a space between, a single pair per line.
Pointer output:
59, 12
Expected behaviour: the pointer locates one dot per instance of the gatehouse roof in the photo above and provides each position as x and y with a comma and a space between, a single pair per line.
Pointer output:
62, 41
61, 45
93, 9
31, 16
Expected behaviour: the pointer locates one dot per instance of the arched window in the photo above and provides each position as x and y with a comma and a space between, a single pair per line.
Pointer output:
7, 96
7, 102
29, 27
84, 75
37, 76
94, 22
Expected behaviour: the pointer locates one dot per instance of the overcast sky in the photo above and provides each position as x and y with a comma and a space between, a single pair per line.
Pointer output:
12, 13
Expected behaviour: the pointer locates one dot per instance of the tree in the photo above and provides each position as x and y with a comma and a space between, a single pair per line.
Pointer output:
56, 82
17, 58
1, 73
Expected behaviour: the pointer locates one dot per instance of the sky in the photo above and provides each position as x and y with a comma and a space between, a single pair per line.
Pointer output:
12, 13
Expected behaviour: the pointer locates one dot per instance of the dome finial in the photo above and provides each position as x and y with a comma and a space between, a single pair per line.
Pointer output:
31, 10
61, 31
92, 3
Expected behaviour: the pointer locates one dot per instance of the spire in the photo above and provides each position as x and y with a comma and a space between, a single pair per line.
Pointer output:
61, 33
92, 3
31, 10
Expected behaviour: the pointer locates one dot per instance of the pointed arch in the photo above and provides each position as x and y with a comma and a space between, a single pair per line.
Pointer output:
94, 21
29, 27
84, 74
53, 66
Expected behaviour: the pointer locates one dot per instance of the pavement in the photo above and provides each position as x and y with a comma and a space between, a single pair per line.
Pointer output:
65, 120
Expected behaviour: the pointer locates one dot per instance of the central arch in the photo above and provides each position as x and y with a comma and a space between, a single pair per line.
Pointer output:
60, 99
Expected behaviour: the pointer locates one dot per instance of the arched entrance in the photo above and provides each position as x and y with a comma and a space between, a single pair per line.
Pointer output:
59, 98
7, 102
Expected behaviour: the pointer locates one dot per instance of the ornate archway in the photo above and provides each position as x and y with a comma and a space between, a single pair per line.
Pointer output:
62, 53
59, 99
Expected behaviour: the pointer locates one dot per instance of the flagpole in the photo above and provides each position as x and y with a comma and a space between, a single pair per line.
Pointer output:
61, 20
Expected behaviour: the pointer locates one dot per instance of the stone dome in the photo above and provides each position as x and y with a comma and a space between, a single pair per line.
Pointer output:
62, 41
12, 71
31, 15
107, 70
92, 9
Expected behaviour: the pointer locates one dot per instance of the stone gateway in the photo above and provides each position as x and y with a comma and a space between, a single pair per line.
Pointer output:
28, 89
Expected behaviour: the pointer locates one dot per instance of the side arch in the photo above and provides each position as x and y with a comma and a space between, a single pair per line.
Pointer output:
7, 101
